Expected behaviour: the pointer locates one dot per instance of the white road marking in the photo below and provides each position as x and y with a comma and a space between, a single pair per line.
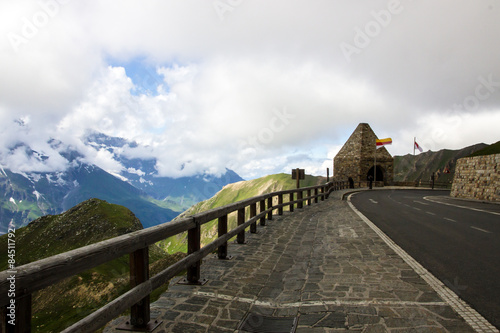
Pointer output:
315, 303
448, 219
420, 202
465, 207
416, 208
373, 201
430, 213
486, 231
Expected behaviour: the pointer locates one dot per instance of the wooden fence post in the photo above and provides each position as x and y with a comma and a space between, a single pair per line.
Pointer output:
240, 238
316, 195
291, 199
262, 208
322, 193
194, 240
22, 313
269, 206
253, 212
299, 197
280, 201
222, 230
139, 273
309, 201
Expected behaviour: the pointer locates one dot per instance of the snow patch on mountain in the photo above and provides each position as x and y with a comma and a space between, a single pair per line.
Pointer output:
117, 175
3, 171
37, 194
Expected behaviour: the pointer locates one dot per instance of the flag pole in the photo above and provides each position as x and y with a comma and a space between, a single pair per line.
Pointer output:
375, 165
414, 140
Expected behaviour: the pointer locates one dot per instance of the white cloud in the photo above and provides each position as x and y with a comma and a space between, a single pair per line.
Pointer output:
250, 87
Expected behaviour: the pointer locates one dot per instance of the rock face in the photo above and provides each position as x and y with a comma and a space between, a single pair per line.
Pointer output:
477, 178
356, 159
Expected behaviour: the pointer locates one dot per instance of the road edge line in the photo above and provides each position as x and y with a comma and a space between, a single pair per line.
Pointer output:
428, 198
471, 316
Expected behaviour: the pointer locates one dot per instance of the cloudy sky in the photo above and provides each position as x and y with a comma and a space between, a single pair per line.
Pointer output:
257, 86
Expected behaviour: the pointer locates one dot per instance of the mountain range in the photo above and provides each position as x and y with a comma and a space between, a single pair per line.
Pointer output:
25, 196
409, 168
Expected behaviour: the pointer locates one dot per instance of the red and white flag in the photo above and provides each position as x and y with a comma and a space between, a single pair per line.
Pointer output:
418, 147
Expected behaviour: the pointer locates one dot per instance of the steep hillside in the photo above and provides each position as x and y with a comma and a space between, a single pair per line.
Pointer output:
232, 193
488, 150
60, 305
421, 166
24, 197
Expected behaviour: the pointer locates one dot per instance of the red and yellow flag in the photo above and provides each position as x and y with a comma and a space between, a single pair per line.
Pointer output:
383, 142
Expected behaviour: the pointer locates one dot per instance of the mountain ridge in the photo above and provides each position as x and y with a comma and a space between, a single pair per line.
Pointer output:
421, 167
25, 195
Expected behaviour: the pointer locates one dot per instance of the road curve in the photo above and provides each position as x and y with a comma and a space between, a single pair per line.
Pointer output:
456, 240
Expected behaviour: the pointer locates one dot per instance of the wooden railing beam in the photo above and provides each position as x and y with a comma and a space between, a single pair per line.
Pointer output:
46, 272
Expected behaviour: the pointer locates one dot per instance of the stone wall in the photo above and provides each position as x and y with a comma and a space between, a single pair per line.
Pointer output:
477, 178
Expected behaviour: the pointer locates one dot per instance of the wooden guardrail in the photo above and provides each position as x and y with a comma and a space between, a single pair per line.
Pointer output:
18, 285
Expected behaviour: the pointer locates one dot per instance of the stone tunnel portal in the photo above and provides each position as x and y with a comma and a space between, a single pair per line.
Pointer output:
379, 173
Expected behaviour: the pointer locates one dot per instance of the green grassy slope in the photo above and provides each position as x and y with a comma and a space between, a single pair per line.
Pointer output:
233, 193
66, 302
489, 150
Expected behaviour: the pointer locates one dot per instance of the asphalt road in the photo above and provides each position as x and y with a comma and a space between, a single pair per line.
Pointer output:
458, 241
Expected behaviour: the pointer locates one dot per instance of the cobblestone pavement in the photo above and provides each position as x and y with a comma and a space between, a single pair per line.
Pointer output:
322, 266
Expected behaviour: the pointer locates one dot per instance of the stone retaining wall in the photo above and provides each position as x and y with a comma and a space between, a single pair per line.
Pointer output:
477, 178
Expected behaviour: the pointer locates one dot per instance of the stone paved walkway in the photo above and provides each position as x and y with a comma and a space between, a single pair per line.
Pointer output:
322, 265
